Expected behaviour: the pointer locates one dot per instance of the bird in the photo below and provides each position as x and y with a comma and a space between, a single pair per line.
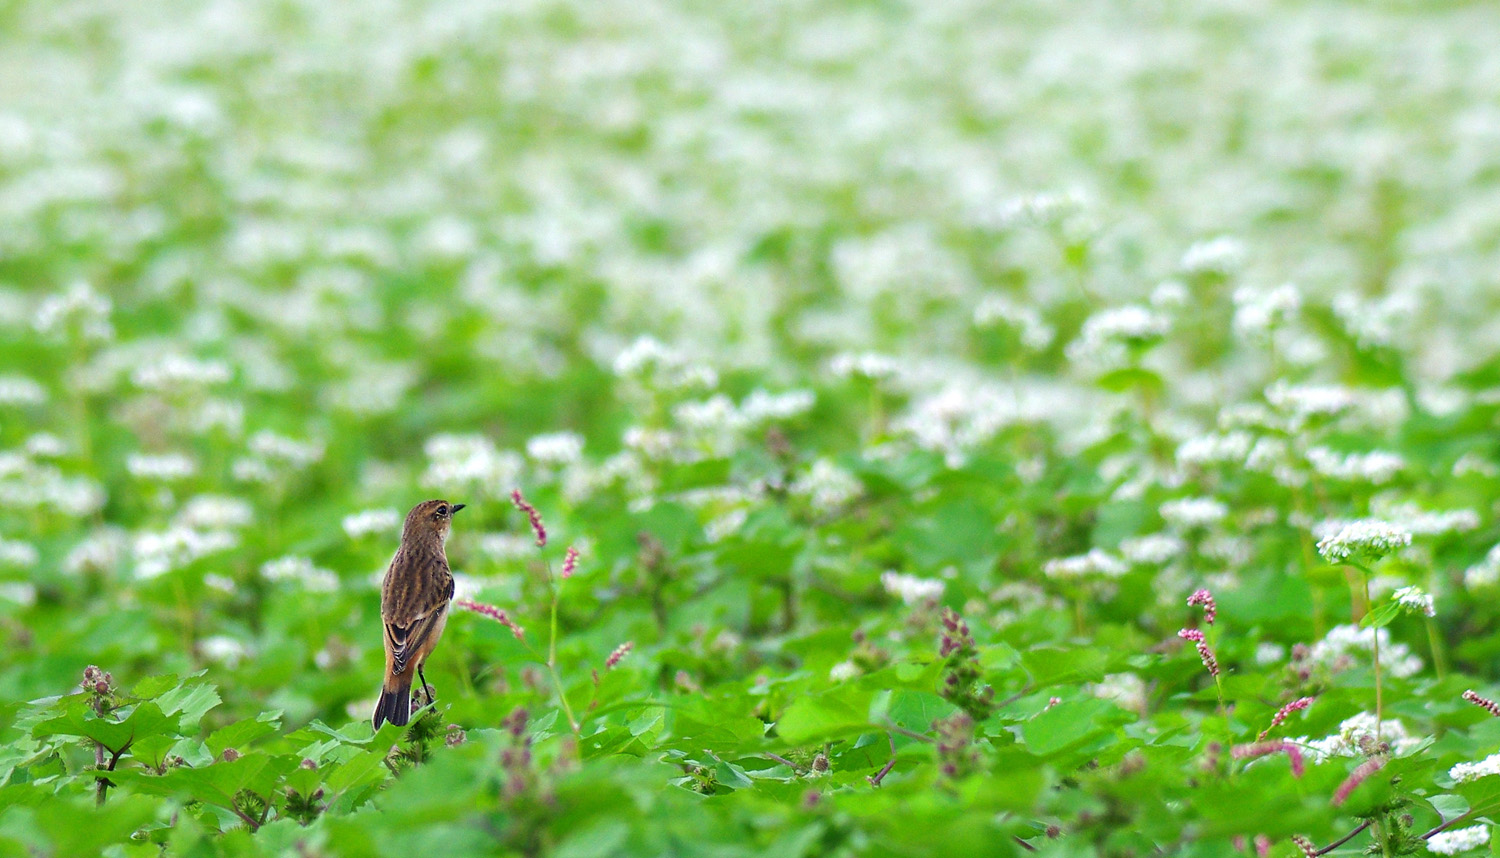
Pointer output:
414, 602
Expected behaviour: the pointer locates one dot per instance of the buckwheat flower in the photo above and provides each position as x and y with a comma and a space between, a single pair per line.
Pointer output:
22, 593
1339, 646
215, 512
1306, 402
1376, 468
101, 551
503, 547
16, 554
493, 613
570, 562
78, 311
1268, 653
1426, 522
618, 655
869, 366
222, 583
45, 445
826, 486
1156, 549
463, 463
279, 448
1465, 772
165, 467
1206, 599
1188, 513
1096, 563
1126, 690
1414, 600
643, 355
372, 521
534, 517
1458, 840
159, 552
911, 589
175, 372
1204, 653
223, 649
995, 311
1356, 736
1213, 449
21, 390
1368, 538
300, 570
1361, 773
1222, 255
557, 448
1485, 573
763, 407
1281, 714
1256, 312
1482, 702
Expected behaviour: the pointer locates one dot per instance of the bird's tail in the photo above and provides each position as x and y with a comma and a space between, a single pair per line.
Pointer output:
394, 705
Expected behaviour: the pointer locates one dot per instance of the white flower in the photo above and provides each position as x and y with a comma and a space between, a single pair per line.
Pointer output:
174, 371
1228, 448
158, 553
17, 554
21, 593
1339, 646
1305, 402
1256, 312
763, 407
279, 448
302, 571
1187, 513
1458, 840
102, 551
911, 589
1222, 254
45, 445
1465, 772
1154, 549
215, 512
1376, 467
826, 486
1127, 690
470, 462
1357, 735
557, 448
869, 365
502, 547
1268, 653
164, 467
997, 310
1414, 599
80, 309
1485, 573
843, 670
21, 390
1369, 537
223, 649
1426, 522
1096, 562
368, 521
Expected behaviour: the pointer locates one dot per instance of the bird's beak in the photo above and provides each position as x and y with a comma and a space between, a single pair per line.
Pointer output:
459, 506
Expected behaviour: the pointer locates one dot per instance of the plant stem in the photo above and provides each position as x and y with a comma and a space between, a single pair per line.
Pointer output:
1375, 640
552, 591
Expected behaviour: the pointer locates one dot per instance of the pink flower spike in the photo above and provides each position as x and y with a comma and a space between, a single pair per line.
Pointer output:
1360, 774
1482, 702
570, 562
618, 655
1296, 705
1205, 654
1307, 847
1206, 599
532, 515
493, 613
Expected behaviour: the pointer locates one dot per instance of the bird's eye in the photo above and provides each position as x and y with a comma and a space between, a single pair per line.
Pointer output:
442, 511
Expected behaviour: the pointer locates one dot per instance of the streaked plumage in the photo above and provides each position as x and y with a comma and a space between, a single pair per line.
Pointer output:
414, 606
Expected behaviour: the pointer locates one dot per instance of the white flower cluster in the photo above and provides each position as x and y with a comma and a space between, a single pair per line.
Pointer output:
1031, 329
1126, 690
467, 463
503, 547
161, 467
175, 372
1485, 573
1357, 735
1222, 254
1342, 643
1465, 772
16, 554
223, 649
79, 310
867, 365
1256, 311
272, 454
1456, 840
911, 589
1096, 563
1302, 403
1376, 467
1426, 522
1106, 336
101, 551
555, 448
301, 571
1188, 513
1154, 549
762, 407
1366, 537
215, 512
21, 390
25, 484
1415, 599
371, 521
1230, 448
157, 553
655, 365
826, 486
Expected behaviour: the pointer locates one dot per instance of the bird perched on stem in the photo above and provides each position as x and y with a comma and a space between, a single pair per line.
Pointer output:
414, 606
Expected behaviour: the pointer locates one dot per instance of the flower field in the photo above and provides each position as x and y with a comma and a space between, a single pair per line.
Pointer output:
885, 429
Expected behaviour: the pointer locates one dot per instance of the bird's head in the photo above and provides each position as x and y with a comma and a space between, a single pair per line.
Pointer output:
430, 520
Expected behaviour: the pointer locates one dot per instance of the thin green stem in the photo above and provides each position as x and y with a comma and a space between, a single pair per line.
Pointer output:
1375, 641
553, 591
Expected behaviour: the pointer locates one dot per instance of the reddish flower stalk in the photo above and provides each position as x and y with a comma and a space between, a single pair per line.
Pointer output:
1261, 749
532, 515
493, 613
1295, 706
1307, 847
1483, 702
1360, 774
1204, 653
1206, 599
618, 655
570, 562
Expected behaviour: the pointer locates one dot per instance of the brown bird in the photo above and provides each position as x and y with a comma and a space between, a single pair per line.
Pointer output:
414, 606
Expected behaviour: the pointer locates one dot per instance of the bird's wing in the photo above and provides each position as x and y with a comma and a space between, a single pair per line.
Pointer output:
407, 639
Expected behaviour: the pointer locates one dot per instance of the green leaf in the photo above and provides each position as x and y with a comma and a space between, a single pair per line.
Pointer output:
1381, 616
843, 712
